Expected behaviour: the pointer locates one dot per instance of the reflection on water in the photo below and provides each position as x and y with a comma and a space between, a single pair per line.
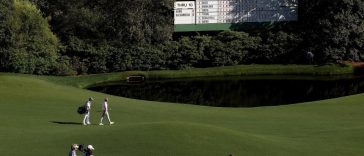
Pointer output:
238, 91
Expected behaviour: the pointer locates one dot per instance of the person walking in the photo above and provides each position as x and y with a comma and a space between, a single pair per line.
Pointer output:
73, 150
105, 112
86, 118
89, 150
309, 56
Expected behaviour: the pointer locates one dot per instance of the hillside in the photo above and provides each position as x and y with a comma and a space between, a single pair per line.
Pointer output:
39, 118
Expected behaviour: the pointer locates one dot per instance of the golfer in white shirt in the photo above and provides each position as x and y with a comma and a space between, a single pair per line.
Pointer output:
86, 118
105, 112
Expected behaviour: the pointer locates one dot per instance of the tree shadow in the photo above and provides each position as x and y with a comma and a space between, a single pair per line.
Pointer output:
66, 123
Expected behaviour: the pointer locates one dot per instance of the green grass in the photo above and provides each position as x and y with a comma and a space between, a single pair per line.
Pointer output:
240, 70
33, 106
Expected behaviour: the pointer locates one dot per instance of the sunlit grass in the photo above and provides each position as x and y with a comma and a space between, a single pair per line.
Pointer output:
39, 117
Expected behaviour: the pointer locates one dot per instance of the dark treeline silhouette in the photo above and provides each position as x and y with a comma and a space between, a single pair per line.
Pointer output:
83, 36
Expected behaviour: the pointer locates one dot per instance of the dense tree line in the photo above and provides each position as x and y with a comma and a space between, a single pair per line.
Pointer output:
110, 35
6, 7
83, 36
333, 29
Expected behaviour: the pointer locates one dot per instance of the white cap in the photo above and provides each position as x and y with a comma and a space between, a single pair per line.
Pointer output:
90, 147
74, 146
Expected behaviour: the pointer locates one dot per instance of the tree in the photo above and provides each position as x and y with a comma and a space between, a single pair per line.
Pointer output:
333, 29
278, 47
96, 32
33, 45
6, 7
138, 21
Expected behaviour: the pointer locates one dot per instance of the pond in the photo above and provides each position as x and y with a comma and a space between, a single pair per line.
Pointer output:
238, 91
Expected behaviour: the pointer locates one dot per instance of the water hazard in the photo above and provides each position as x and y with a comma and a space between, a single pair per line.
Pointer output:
238, 91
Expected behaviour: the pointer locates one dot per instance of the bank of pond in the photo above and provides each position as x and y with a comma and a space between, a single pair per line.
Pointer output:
246, 91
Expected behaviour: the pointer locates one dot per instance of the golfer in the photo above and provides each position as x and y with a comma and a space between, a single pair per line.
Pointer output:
86, 118
72, 152
105, 112
88, 151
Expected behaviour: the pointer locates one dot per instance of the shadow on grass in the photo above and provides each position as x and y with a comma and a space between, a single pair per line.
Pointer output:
66, 123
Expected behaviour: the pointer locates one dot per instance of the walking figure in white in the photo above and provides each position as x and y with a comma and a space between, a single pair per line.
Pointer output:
105, 112
86, 118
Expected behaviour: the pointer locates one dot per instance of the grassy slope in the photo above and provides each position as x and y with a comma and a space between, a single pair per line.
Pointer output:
32, 109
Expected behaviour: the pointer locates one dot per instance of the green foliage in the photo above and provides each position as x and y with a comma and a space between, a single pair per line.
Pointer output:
188, 53
216, 53
139, 21
112, 35
83, 23
33, 45
185, 53
62, 67
227, 48
118, 22
6, 8
237, 46
86, 57
147, 58
335, 29
279, 47
120, 59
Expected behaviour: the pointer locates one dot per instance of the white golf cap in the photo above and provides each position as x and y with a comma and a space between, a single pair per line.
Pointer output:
75, 146
90, 147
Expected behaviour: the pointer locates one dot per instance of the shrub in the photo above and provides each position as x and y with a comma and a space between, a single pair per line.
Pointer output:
6, 7
33, 45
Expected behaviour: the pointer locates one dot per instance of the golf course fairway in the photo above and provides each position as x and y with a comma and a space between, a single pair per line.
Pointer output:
39, 118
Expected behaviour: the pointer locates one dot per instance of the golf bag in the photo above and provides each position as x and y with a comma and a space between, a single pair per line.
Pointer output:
81, 110
81, 147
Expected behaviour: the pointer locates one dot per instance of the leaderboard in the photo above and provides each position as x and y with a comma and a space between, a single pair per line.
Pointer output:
216, 11
234, 11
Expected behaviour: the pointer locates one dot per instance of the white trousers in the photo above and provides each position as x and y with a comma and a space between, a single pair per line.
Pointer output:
105, 113
86, 118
